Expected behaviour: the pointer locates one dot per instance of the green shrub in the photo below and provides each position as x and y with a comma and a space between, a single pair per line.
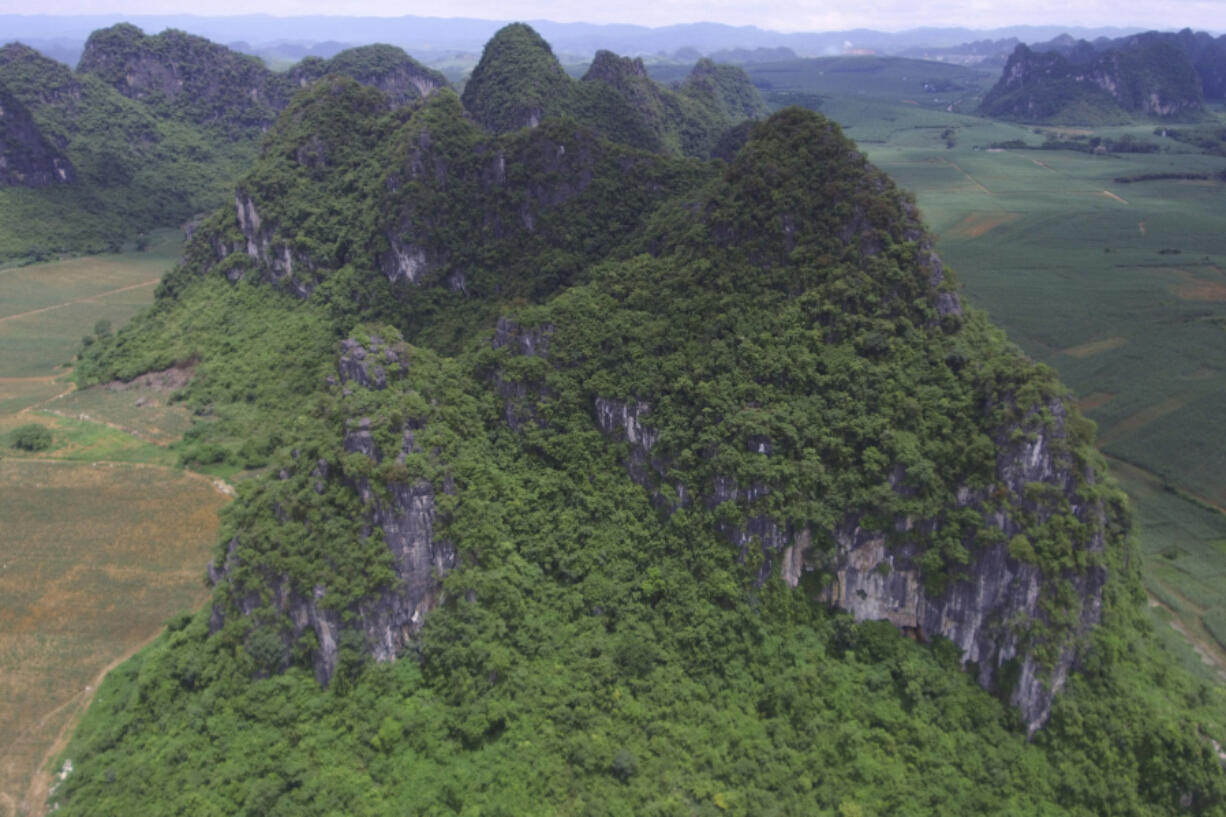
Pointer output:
31, 437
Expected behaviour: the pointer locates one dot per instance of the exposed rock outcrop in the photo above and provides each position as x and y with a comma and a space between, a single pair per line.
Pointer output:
26, 157
403, 513
995, 612
400, 77
278, 259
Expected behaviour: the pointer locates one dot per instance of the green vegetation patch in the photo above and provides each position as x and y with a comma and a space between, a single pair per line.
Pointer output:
30, 437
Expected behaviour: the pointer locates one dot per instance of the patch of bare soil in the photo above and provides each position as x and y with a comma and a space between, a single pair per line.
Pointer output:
172, 379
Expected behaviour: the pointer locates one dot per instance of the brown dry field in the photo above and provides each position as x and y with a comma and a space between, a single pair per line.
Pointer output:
978, 224
1142, 418
1096, 347
1189, 287
1095, 400
94, 558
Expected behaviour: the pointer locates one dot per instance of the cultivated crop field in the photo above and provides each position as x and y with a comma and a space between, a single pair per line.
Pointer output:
93, 560
102, 539
45, 309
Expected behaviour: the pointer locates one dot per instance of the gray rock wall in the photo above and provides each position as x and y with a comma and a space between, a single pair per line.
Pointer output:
406, 515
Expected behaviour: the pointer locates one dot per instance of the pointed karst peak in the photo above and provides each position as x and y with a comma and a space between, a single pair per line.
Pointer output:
518, 81
386, 67
107, 49
609, 67
727, 88
799, 189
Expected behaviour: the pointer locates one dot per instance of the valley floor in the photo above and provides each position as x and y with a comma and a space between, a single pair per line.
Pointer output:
102, 538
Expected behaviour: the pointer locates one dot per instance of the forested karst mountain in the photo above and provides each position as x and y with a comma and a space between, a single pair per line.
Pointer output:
187, 77
596, 441
519, 82
158, 128
134, 168
1154, 74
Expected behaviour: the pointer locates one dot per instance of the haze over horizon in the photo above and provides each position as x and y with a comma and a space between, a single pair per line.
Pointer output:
808, 16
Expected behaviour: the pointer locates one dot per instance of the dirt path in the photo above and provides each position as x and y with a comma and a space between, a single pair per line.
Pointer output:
71, 388
219, 485
93, 297
1111, 195
1118, 466
35, 802
1210, 653
972, 179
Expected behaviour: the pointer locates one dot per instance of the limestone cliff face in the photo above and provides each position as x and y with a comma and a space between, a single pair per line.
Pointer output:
281, 264
994, 611
191, 76
401, 78
26, 157
404, 513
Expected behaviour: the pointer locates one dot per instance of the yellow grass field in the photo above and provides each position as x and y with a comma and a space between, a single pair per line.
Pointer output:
1096, 347
975, 225
1135, 422
1093, 401
93, 560
1190, 287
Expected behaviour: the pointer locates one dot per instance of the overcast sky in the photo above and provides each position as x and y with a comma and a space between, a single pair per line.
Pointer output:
779, 15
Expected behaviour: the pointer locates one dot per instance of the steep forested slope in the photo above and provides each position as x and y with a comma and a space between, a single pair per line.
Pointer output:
605, 480
157, 129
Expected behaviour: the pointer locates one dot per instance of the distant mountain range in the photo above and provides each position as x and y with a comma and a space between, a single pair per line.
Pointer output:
63, 37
